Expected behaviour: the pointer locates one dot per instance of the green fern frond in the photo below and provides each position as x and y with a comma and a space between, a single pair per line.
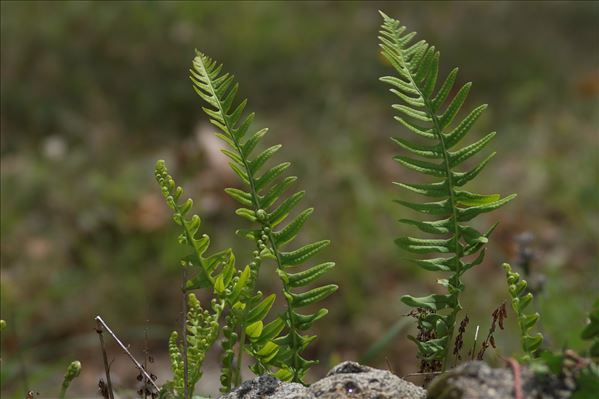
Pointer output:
215, 271
520, 300
264, 204
428, 113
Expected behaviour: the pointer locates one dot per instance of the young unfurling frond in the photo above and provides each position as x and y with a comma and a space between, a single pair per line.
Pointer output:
521, 298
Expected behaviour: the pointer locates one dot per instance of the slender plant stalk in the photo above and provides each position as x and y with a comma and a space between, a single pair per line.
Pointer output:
124, 348
100, 331
146, 354
237, 379
184, 334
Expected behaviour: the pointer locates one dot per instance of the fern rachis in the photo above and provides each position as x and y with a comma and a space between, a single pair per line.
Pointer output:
420, 112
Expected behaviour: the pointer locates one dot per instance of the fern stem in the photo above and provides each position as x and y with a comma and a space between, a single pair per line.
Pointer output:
237, 376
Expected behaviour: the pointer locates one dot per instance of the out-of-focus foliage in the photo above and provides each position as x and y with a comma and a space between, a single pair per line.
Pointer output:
591, 330
93, 93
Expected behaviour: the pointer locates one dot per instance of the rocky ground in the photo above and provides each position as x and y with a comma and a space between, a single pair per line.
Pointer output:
349, 380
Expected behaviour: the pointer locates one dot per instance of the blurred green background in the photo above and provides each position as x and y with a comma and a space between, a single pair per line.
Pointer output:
93, 93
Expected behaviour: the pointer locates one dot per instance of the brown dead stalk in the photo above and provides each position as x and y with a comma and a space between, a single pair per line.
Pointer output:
124, 348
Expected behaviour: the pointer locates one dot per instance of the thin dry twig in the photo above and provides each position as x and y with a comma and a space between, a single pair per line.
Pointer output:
124, 348
473, 352
429, 373
100, 330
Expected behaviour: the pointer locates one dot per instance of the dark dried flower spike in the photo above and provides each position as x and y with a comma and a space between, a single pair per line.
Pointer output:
459, 341
502, 315
499, 315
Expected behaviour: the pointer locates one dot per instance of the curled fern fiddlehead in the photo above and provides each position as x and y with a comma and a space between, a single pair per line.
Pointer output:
264, 205
72, 372
520, 300
433, 151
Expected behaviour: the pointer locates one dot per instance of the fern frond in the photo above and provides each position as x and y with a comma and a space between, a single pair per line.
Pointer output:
209, 271
428, 114
264, 204
520, 300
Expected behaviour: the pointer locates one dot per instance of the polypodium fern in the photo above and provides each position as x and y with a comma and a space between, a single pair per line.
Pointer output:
264, 205
435, 154
212, 271
233, 293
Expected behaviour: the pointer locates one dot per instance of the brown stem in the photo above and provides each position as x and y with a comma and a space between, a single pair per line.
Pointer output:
124, 348
184, 334
516, 369
146, 350
100, 330
429, 373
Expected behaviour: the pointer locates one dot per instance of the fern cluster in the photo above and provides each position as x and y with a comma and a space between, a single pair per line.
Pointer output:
276, 346
265, 204
428, 114
233, 295
521, 298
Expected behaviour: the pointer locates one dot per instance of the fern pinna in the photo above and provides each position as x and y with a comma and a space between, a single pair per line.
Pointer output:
264, 204
432, 151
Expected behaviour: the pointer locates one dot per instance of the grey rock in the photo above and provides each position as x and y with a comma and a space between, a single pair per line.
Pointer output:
348, 380
476, 380
267, 386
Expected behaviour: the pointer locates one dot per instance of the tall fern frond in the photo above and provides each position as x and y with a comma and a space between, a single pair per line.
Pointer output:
428, 113
265, 205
